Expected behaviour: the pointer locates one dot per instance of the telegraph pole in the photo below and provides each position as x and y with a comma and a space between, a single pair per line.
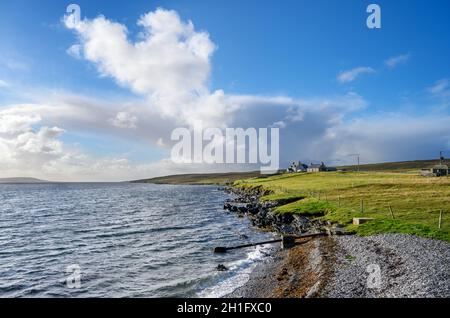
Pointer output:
357, 156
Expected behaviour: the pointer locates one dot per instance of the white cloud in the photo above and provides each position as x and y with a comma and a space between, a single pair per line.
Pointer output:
171, 58
11, 123
3, 84
397, 60
160, 142
124, 120
75, 51
441, 88
353, 74
441, 92
25, 147
14, 64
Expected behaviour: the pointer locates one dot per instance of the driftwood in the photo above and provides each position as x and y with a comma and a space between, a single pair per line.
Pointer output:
284, 239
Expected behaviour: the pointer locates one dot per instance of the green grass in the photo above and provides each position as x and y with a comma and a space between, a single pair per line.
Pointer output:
392, 226
309, 206
336, 196
282, 198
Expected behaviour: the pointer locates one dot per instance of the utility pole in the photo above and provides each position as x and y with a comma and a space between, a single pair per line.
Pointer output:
357, 156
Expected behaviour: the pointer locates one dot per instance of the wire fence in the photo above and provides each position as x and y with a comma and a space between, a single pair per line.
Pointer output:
359, 206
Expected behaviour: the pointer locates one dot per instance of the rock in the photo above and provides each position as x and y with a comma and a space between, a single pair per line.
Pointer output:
246, 203
221, 268
253, 210
242, 209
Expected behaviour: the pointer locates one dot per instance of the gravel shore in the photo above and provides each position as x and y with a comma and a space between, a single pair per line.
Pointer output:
409, 266
388, 265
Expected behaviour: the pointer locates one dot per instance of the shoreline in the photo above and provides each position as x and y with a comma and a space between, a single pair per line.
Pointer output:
337, 267
295, 273
342, 266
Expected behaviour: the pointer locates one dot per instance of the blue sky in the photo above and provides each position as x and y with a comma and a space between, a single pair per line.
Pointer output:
295, 49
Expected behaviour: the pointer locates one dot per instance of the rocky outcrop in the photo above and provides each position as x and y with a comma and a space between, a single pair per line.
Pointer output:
246, 203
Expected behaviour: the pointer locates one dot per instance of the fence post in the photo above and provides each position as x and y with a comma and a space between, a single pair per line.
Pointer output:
362, 206
440, 219
392, 213
339, 201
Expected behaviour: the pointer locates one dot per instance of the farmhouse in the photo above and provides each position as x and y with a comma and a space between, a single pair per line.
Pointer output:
320, 167
297, 166
440, 170
313, 167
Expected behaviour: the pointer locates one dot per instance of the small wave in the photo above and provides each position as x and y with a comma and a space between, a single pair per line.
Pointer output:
238, 274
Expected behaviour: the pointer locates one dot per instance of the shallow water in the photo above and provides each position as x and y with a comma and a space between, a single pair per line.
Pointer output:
128, 240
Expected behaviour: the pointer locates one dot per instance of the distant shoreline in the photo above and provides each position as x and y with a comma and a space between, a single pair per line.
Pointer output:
22, 180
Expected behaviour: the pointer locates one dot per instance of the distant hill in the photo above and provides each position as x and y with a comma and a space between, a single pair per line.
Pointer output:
225, 178
22, 180
202, 178
395, 166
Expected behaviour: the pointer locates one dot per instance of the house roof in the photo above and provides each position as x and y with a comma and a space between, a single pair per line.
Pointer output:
443, 167
315, 165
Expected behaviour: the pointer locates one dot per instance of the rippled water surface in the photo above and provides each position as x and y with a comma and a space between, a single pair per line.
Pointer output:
130, 240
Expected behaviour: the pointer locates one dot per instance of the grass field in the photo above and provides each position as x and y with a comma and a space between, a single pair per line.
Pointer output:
415, 201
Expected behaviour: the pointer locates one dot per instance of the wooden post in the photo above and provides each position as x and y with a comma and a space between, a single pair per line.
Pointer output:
440, 219
319, 195
287, 242
362, 206
392, 213
339, 201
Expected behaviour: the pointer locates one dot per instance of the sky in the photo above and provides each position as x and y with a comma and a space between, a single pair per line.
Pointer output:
97, 101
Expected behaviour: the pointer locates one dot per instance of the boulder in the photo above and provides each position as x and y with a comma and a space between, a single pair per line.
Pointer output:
221, 268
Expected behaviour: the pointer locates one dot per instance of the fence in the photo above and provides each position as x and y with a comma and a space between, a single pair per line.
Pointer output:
363, 206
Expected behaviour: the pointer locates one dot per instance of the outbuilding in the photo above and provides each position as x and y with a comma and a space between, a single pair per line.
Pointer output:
440, 170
